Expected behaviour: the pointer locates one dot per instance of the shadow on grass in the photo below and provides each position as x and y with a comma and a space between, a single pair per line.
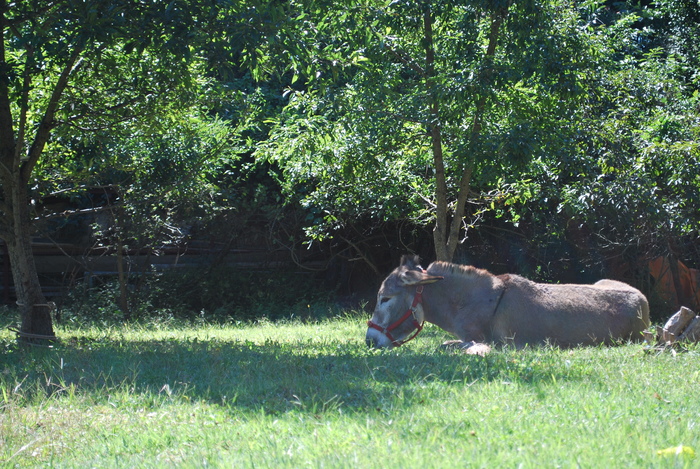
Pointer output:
274, 377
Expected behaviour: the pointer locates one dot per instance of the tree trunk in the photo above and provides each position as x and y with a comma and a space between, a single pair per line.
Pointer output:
448, 225
440, 235
17, 162
36, 325
15, 221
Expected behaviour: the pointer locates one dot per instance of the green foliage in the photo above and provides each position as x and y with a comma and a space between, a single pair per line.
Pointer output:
584, 117
129, 88
357, 146
158, 182
590, 120
323, 167
622, 171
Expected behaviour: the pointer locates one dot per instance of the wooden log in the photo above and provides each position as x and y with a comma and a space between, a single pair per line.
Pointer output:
675, 326
692, 332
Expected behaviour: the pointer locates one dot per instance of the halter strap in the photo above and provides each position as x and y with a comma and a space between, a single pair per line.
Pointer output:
503, 278
410, 313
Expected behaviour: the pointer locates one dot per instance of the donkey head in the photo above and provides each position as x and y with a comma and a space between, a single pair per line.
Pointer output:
399, 311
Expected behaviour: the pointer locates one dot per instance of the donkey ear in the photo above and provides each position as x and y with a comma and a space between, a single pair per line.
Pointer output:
411, 261
415, 277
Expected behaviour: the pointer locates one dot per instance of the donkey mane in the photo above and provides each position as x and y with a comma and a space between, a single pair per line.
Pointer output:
468, 271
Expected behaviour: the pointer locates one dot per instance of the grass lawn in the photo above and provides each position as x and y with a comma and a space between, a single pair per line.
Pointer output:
293, 394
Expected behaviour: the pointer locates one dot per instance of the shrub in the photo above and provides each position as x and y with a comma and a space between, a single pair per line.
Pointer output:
221, 293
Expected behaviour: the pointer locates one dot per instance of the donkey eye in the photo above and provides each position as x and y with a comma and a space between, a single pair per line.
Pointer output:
384, 300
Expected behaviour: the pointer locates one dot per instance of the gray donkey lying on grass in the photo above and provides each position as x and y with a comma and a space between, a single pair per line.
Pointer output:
477, 306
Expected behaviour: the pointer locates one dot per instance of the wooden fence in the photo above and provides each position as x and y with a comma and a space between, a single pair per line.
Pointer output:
61, 266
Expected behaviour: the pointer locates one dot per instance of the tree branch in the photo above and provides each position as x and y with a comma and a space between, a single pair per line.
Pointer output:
73, 119
7, 137
400, 117
81, 211
35, 13
24, 100
361, 253
402, 56
83, 186
47, 123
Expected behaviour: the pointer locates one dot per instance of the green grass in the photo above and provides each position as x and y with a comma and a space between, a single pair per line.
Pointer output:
293, 394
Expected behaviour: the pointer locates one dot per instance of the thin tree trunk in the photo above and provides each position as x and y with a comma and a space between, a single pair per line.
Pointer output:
15, 229
441, 215
123, 286
446, 238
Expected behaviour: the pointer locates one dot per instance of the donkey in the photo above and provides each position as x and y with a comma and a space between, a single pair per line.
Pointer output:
477, 306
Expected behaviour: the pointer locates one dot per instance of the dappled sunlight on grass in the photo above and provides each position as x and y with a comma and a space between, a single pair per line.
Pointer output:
312, 391
275, 367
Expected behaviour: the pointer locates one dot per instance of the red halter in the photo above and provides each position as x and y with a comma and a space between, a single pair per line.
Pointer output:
410, 313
